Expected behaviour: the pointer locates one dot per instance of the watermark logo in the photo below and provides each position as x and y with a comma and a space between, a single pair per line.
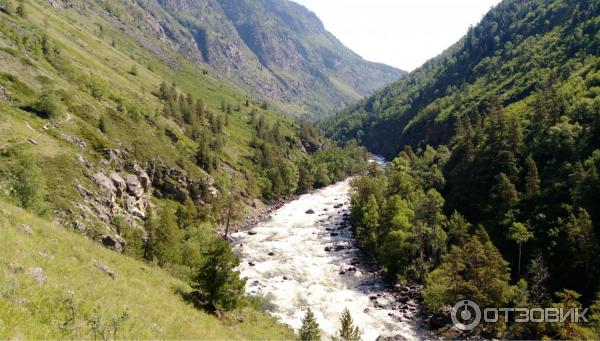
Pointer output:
466, 315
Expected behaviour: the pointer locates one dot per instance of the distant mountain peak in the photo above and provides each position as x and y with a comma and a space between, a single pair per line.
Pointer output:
280, 51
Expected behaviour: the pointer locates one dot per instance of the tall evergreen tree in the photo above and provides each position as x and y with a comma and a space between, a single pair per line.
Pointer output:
475, 271
151, 228
582, 238
166, 239
310, 328
532, 179
217, 280
520, 233
348, 331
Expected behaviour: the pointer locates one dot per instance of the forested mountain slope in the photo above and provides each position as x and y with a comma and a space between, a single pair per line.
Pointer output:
493, 192
518, 48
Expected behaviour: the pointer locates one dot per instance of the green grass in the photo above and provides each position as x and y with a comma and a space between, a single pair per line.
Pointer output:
149, 295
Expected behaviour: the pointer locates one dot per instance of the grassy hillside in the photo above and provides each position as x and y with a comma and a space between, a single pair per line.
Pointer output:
81, 96
71, 296
116, 134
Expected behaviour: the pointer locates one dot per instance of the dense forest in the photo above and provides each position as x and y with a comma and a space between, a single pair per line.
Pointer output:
492, 192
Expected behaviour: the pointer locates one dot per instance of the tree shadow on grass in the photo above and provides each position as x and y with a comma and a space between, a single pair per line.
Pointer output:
197, 299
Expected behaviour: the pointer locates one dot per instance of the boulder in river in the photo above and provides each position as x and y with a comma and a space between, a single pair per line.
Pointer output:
271, 253
251, 263
311, 211
252, 233
327, 248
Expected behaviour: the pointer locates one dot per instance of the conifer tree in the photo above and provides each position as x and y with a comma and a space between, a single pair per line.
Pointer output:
476, 271
166, 239
310, 328
520, 233
506, 192
582, 238
532, 179
151, 227
30, 186
348, 331
367, 230
217, 280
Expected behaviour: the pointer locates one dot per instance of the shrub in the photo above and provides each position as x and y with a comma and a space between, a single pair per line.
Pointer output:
30, 186
47, 105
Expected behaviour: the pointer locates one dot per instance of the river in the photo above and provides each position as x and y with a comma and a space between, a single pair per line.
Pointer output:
285, 261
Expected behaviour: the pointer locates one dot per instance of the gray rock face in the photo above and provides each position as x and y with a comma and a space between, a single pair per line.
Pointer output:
143, 177
136, 206
104, 182
134, 187
119, 183
84, 162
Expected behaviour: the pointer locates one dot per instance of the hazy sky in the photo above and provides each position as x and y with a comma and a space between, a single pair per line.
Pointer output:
401, 33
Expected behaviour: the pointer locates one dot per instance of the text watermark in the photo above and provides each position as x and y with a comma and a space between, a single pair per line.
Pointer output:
466, 315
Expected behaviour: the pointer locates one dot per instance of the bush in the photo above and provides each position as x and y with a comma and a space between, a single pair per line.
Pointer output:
30, 186
7, 7
133, 71
47, 105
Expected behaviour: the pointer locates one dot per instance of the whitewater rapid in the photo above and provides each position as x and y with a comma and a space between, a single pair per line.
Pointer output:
285, 261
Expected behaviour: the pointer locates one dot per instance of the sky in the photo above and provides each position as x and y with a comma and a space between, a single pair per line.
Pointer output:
401, 33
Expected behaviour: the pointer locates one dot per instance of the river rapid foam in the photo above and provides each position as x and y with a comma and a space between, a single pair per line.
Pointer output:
285, 260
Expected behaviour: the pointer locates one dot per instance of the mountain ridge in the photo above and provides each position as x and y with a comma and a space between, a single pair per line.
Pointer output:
419, 106
280, 51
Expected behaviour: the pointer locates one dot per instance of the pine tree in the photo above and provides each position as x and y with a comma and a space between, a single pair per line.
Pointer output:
520, 233
310, 328
369, 224
476, 271
348, 331
151, 227
582, 238
217, 280
506, 192
458, 229
532, 179
166, 239
537, 274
